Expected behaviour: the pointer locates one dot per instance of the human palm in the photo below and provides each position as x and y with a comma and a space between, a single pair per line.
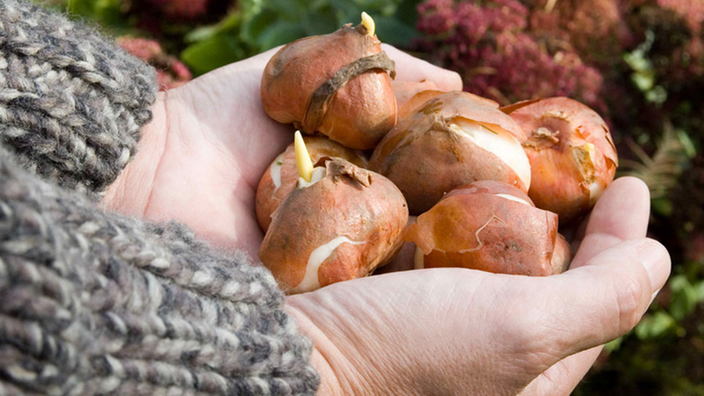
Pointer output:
435, 331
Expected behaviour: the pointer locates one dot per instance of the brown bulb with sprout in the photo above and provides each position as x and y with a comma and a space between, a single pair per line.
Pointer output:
446, 140
339, 223
336, 84
281, 176
489, 226
572, 156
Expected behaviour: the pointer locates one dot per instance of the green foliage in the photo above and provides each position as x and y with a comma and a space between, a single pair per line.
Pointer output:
108, 13
661, 171
216, 45
644, 75
257, 26
253, 26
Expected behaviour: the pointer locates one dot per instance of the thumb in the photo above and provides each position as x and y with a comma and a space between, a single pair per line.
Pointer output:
409, 68
605, 298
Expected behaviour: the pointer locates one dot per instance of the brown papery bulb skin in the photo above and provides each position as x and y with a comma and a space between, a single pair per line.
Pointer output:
339, 228
489, 226
415, 102
281, 176
405, 90
450, 140
359, 107
572, 156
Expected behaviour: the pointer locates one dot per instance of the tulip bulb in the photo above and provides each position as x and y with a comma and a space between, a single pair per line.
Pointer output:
489, 226
341, 227
572, 156
450, 140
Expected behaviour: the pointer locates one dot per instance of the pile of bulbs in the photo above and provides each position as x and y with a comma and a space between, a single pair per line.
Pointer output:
490, 185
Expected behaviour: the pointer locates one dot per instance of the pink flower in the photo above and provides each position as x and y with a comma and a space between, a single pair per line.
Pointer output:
180, 9
171, 72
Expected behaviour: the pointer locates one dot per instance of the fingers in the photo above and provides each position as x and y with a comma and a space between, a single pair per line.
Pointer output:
623, 210
409, 68
598, 302
622, 213
562, 377
604, 294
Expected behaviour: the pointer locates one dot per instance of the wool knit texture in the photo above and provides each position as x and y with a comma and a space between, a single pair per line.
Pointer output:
71, 103
98, 303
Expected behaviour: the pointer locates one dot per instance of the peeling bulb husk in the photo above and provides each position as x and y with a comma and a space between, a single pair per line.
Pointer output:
368, 23
303, 161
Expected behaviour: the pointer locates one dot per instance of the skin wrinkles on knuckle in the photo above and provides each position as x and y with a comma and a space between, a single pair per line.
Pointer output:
629, 296
550, 382
544, 383
521, 335
334, 359
364, 361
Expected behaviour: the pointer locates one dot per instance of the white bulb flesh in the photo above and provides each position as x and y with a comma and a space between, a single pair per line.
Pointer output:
317, 175
513, 198
275, 171
311, 281
496, 141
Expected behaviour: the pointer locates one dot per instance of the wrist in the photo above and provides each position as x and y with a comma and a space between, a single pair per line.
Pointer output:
322, 358
129, 193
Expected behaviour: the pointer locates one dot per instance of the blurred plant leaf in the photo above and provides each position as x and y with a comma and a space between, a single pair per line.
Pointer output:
252, 27
655, 325
280, 33
281, 21
661, 171
407, 12
212, 53
685, 296
392, 31
230, 23
614, 345
108, 13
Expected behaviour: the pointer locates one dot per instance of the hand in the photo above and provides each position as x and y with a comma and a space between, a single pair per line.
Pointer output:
200, 159
458, 331
432, 331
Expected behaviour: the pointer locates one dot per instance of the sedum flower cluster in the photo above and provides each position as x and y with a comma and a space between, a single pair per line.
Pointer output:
171, 72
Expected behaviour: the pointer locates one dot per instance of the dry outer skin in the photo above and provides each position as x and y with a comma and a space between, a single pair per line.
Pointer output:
405, 90
269, 196
348, 202
359, 113
489, 226
426, 157
416, 101
572, 156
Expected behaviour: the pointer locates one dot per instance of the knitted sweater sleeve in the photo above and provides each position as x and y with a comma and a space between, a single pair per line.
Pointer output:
98, 303
94, 303
71, 103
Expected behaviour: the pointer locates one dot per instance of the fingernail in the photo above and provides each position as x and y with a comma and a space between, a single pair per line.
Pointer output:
656, 261
653, 297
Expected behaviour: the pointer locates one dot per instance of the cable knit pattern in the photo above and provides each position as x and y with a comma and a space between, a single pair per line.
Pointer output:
94, 303
71, 103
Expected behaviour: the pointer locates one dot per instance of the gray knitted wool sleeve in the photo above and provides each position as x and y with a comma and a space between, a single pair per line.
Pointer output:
94, 303
71, 103
97, 303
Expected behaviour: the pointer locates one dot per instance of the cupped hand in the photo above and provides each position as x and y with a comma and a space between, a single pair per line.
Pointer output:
458, 331
200, 159
436, 331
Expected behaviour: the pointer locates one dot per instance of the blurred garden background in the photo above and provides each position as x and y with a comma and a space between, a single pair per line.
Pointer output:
639, 63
